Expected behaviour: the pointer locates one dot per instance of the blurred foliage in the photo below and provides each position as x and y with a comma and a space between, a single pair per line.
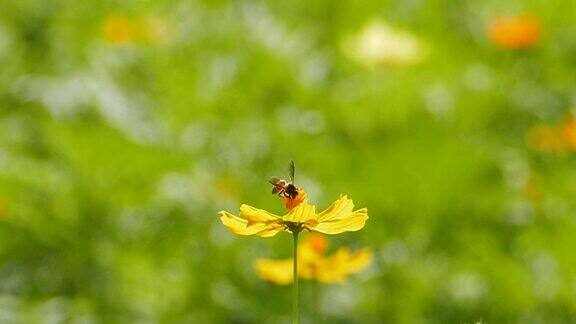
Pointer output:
126, 125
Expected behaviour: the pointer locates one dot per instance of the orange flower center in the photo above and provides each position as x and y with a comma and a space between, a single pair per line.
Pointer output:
290, 203
318, 243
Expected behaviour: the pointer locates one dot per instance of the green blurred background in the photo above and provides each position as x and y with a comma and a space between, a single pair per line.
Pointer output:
125, 126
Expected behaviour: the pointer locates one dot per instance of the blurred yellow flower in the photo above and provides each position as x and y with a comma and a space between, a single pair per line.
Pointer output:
515, 32
338, 218
119, 30
378, 44
313, 264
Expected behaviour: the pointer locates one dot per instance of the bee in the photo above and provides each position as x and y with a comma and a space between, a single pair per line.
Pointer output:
284, 188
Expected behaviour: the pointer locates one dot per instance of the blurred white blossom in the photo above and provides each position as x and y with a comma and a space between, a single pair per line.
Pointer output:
379, 44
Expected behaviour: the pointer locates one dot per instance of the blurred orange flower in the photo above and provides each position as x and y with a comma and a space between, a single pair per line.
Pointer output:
568, 133
545, 139
562, 138
313, 264
515, 32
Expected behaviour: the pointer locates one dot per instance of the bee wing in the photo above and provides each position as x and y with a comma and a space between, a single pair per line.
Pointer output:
276, 190
274, 180
291, 171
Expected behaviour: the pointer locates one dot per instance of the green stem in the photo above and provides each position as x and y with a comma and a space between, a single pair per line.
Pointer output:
295, 303
316, 301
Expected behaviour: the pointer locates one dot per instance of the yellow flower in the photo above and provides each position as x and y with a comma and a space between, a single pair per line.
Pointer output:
338, 218
312, 264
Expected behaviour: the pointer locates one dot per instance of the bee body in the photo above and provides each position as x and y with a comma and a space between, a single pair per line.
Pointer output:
291, 191
283, 188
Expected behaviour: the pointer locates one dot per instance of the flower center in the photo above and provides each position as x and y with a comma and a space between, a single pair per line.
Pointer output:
294, 199
318, 243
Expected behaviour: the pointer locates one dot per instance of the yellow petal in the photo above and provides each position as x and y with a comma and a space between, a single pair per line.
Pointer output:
337, 267
331, 276
255, 215
271, 230
353, 221
332, 269
307, 254
359, 260
301, 213
239, 225
339, 209
277, 271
